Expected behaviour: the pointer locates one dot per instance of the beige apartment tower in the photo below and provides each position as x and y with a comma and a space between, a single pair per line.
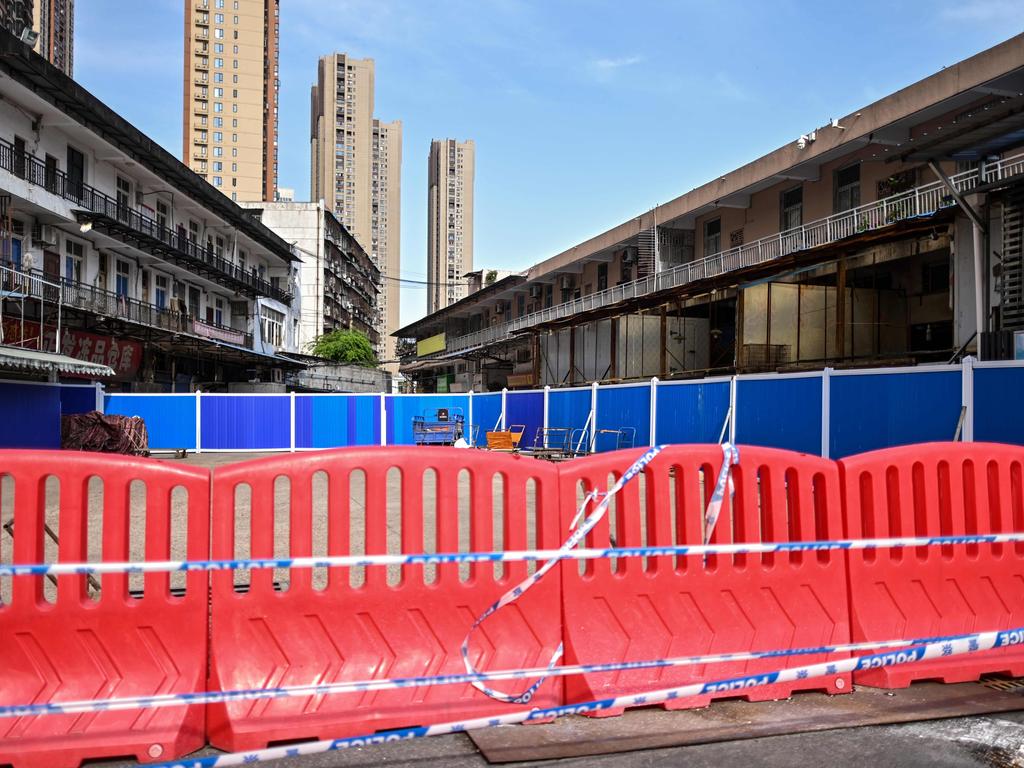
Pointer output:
231, 85
54, 20
449, 220
356, 169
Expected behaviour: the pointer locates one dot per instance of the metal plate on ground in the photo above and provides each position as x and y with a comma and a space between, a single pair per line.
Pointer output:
732, 720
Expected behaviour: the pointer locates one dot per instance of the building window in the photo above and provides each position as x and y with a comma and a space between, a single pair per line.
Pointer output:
218, 47
712, 237
218, 166
218, 33
218, 181
121, 278
218, 136
162, 213
218, 77
218, 63
847, 188
272, 326
218, 151
218, 312
74, 254
124, 194
218, 122
218, 107
218, 18
792, 207
602, 276
218, 93
218, 246
161, 291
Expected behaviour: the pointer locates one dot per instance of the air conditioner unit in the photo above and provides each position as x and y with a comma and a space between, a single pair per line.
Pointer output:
499, 308
628, 257
46, 235
535, 291
566, 282
276, 375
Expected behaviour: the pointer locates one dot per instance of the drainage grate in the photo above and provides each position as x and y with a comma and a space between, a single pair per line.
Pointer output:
1003, 683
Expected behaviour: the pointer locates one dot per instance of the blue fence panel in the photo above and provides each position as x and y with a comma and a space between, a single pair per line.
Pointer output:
170, 419
245, 422
76, 399
998, 407
526, 408
880, 410
402, 408
569, 408
691, 413
486, 412
623, 408
31, 416
336, 421
783, 412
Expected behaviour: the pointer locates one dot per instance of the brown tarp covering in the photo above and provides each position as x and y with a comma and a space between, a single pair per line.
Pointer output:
94, 431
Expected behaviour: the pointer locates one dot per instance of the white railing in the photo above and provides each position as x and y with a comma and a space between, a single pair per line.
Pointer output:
919, 201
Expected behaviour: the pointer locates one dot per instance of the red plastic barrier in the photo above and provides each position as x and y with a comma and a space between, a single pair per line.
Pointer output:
936, 489
301, 635
64, 644
632, 610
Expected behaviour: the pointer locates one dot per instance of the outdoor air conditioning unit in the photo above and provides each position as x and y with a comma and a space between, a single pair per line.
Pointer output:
628, 256
44, 234
566, 283
276, 375
499, 308
534, 291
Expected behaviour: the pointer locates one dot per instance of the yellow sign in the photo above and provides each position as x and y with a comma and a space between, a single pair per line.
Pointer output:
431, 345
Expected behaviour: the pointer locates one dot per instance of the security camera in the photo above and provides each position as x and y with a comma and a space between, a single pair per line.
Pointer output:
805, 139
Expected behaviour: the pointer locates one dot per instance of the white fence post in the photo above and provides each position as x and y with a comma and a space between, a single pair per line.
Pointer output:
199, 419
504, 398
654, 411
967, 398
732, 410
99, 396
383, 419
291, 408
593, 417
469, 418
826, 410
547, 394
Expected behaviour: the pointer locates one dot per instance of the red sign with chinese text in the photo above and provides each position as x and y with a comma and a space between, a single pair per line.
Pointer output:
121, 355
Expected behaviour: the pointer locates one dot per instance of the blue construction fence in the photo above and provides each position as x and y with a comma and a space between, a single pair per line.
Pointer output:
832, 413
32, 411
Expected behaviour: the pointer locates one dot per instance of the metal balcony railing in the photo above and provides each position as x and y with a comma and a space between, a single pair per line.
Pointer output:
17, 284
919, 201
30, 168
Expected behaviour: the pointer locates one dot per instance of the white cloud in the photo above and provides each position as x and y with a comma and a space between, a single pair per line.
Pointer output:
610, 65
985, 11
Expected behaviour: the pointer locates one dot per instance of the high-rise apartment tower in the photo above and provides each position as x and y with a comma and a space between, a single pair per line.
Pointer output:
449, 220
356, 169
231, 85
54, 20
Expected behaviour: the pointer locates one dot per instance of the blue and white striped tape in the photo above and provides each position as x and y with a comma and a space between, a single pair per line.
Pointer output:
385, 684
575, 537
941, 648
528, 555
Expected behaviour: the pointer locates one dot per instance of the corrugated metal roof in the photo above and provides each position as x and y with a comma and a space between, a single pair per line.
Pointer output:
21, 359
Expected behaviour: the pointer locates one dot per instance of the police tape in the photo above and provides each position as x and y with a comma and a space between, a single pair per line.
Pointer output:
575, 537
946, 647
385, 684
526, 555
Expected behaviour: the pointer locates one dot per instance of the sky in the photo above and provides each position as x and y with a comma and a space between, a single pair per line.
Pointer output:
585, 113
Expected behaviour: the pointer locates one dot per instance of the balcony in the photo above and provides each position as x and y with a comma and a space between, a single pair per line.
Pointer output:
87, 298
920, 201
203, 65
198, 155
136, 230
203, 19
200, 107
202, 34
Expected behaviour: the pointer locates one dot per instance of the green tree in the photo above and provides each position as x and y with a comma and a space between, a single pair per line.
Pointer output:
345, 346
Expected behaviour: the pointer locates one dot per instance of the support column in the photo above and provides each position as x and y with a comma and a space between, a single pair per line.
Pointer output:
535, 354
614, 372
826, 410
978, 242
663, 351
967, 398
504, 401
841, 308
654, 410
572, 355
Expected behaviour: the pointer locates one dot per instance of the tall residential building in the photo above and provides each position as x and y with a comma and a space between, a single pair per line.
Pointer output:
231, 85
449, 220
386, 227
54, 20
356, 167
15, 15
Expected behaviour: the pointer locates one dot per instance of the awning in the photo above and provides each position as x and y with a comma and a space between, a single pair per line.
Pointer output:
19, 359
